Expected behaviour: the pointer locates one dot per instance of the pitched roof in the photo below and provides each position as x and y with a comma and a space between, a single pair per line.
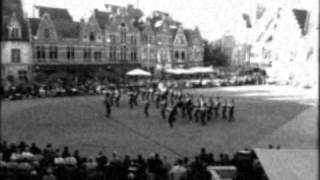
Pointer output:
189, 35
301, 16
34, 23
62, 20
103, 18
67, 29
10, 8
55, 13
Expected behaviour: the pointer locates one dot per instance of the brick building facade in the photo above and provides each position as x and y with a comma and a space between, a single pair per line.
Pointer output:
114, 39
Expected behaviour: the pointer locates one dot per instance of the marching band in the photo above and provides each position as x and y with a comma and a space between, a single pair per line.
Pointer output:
171, 102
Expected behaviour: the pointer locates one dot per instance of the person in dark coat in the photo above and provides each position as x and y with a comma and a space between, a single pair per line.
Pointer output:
164, 105
107, 105
197, 111
131, 99
146, 108
210, 109
172, 116
231, 110
216, 106
117, 96
224, 109
190, 108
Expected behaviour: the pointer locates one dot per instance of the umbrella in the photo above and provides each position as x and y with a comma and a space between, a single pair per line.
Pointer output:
138, 72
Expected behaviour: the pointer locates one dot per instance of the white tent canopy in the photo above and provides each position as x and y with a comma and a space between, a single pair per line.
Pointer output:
138, 72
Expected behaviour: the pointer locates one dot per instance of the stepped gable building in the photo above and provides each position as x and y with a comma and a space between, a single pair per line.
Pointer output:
59, 43
116, 39
15, 43
174, 45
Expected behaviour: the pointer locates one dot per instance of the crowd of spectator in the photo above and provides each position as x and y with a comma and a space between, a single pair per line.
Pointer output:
30, 162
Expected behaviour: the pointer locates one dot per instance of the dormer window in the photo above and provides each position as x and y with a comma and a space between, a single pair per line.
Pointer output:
92, 37
14, 32
46, 33
14, 28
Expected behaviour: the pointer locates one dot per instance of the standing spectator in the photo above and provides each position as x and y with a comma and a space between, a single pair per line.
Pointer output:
49, 175
65, 152
178, 171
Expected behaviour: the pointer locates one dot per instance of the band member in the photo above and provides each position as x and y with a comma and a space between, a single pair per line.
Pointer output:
224, 109
231, 109
197, 111
117, 96
217, 105
107, 105
202, 111
172, 116
112, 97
131, 98
190, 108
210, 108
163, 108
150, 94
146, 108
184, 103
158, 98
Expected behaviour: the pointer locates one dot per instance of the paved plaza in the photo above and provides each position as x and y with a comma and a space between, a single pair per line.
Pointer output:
79, 122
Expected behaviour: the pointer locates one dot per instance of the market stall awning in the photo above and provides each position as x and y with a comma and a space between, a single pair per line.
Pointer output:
138, 72
193, 70
293, 164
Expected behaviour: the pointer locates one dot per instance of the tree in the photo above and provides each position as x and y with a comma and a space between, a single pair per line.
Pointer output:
213, 55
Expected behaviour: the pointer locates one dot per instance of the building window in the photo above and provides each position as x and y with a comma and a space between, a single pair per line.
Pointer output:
53, 53
182, 55
133, 40
133, 54
47, 33
15, 55
92, 37
112, 39
123, 53
97, 56
22, 75
112, 53
70, 53
14, 32
177, 55
87, 54
123, 37
40, 53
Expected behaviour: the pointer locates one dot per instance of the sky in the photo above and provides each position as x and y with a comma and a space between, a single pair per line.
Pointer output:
213, 17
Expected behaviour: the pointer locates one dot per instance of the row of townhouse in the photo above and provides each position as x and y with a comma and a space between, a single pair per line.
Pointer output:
119, 38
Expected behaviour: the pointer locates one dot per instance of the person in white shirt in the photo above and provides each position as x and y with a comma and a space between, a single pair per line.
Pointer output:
178, 171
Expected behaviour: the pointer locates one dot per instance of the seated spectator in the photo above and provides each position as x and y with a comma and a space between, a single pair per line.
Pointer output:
65, 152
35, 149
49, 175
